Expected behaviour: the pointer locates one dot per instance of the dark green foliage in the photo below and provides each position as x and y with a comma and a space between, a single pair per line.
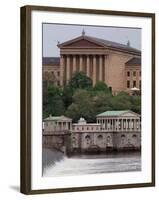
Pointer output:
80, 99
80, 81
54, 104
136, 104
82, 106
101, 86
121, 101
67, 96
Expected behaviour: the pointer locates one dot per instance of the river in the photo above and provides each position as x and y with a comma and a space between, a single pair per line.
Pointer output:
56, 164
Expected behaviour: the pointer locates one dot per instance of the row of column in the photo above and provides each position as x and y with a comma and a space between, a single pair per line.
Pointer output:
88, 65
120, 124
63, 126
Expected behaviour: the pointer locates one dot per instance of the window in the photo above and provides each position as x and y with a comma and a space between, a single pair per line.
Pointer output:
87, 137
134, 136
140, 84
58, 83
134, 73
134, 83
100, 137
140, 73
122, 136
128, 84
128, 73
58, 73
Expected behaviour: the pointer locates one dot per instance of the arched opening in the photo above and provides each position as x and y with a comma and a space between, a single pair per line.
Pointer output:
87, 137
100, 137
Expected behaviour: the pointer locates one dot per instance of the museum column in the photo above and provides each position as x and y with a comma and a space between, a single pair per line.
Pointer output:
100, 68
67, 68
105, 70
61, 69
88, 66
81, 63
74, 63
94, 70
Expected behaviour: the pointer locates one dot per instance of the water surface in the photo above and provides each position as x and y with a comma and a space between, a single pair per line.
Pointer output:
56, 164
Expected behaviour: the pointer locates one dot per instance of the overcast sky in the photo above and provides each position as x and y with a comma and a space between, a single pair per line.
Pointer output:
52, 33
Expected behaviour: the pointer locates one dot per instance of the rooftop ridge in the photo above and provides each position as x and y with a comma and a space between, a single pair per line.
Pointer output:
103, 42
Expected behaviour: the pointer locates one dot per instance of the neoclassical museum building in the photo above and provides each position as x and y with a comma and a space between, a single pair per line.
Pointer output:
118, 65
113, 130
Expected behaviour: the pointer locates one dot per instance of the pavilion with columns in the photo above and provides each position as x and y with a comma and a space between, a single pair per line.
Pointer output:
122, 121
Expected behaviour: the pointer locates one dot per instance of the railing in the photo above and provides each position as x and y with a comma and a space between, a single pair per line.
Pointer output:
62, 132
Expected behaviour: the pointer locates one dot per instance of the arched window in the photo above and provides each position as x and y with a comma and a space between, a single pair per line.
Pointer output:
134, 136
87, 137
100, 137
122, 136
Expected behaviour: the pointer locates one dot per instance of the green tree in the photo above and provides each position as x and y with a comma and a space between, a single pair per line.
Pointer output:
121, 101
101, 86
54, 104
82, 106
80, 81
136, 104
67, 96
102, 102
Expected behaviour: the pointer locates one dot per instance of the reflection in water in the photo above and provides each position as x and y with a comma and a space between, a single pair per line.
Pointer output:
56, 164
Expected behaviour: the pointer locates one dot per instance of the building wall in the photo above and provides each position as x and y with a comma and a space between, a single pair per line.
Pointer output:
116, 71
130, 77
105, 141
127, 140
61, 142
51, 73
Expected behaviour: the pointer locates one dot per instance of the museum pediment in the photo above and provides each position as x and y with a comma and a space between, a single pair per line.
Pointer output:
81, 42
85, 41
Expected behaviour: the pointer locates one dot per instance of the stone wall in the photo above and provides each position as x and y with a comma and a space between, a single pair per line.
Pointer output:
105, 141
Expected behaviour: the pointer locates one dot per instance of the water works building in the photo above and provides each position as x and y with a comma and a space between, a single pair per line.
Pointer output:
113, 130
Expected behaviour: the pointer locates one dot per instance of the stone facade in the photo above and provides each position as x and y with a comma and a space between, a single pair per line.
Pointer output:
51, 70
57, 133
99, 59
114, 130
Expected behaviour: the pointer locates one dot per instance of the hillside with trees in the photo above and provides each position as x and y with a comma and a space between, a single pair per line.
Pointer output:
79, 98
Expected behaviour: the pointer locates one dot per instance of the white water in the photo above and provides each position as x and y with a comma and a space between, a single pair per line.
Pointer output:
93, 164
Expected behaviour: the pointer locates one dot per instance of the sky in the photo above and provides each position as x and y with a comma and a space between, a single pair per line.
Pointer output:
54, 33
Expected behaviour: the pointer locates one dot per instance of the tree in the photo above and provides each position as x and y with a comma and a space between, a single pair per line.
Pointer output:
54, 104
82, 106
67, 96
101, 86
102, 102
121, 101
80, 81
136, 104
